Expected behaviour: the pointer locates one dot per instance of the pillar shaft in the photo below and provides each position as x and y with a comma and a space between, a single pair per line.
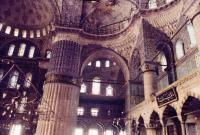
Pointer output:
151, 131
148, 78
61, 93
128, 105
183, 128
61, 107
148, 84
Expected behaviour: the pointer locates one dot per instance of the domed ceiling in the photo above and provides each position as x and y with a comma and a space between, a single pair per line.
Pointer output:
26, 13
103, 13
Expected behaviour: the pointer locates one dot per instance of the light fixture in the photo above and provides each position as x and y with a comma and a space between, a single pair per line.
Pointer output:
4, 95
24, 93
29, 112
16, 104
8, 108
4, 113
13, 100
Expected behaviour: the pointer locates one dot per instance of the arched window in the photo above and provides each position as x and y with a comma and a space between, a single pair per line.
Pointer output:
163, 61
98, 63
38, 33
109, 132
31, 34
79, 131
83, 88
80, 111
94, 112
1, 74
13, 79
44, 32
24, 33
16, 129
90, 64
8, 30
107, 63
31, 52
22, 49
28, 79
152, 4
191, 33
109, 90
93, 131
180, 52
11, 50
48, 54
96, 86
16, 32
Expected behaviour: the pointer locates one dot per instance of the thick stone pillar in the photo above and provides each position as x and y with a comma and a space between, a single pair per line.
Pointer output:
148, 76
61, 92
196, 26
151, 131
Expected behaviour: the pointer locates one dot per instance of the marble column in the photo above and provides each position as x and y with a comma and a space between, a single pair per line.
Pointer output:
183, 128
128, 100
61, 93
148, 76
128, 106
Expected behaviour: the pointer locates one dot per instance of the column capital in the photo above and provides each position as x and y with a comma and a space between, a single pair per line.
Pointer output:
55, 78
149, 66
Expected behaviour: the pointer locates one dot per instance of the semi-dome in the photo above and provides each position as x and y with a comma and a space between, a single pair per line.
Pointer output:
25, 14
107, 16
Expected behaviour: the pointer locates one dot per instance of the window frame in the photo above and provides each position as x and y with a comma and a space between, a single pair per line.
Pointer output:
107, 63
31, 52
163, 61
179, 45
192, 34
22, 49
13, 80
98, 64
96, 86
80, 111
83, 88
152, 4
109, 87
11, 50
94, 112
48, 54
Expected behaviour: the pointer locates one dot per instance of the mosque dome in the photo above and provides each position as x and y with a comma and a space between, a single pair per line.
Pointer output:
25, 14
